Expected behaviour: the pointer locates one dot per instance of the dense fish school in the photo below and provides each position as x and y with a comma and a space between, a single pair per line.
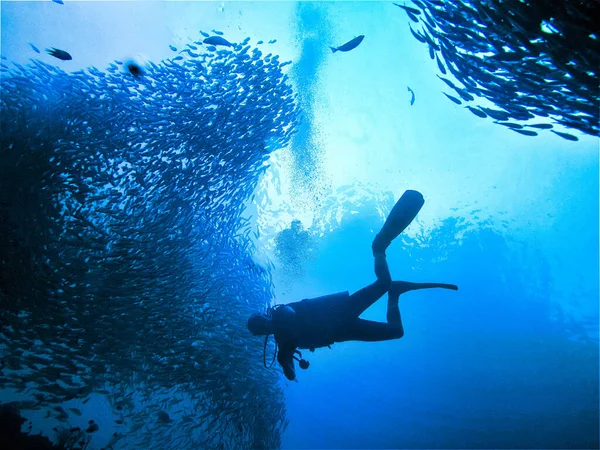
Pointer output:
532, 59
126, 268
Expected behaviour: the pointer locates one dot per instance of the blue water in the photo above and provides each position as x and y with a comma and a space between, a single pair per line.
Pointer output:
508, 361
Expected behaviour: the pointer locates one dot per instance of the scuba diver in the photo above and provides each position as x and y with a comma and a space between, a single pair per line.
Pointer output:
320, 322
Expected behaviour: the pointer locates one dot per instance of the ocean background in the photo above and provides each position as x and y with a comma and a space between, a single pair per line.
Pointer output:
509, 361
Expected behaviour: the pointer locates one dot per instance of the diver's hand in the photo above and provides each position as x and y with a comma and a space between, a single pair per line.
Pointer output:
289, 372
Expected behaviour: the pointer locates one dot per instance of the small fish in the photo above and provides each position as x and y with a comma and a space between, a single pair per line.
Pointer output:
448, 82
541, 126
524, 132
412, 98
260, 42
350, 45
177, 58
568, 137
272, 41
464, 95
515, 126
204, 34
431, 52
217, 40
211, 48
34, 48
60, 2
414, 11
419, 37
220, 33
75, 411
495, 114
508, 56
440, 65
454, 99
60, 54
172, 47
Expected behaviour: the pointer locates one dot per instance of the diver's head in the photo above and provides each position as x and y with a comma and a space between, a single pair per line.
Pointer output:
260, 325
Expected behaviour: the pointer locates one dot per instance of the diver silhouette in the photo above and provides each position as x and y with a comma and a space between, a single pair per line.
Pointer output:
322, 321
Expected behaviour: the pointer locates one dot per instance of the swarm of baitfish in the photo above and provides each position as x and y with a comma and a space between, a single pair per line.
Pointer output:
126, 266
532, 59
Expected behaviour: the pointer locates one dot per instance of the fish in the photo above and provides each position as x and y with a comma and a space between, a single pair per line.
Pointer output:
60, 54
541, 126
567, 136
454, 99
524, 132
432, 54
173, 48
419, 37
409, 9
34, 48
412, 98
448, 82
514, 126
495, 114
440, 65
220, 33
464, 94
217, 40
350, 45
411, 12
272, 41
508, 56
60, 2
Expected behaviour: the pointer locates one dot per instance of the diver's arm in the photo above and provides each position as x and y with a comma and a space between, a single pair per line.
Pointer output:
285, 358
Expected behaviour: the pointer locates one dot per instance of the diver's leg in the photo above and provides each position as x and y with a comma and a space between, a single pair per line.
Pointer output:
369, 331
361, 300
401, 215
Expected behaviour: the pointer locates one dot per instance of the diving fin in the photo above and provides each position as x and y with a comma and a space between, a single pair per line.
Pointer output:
402, 214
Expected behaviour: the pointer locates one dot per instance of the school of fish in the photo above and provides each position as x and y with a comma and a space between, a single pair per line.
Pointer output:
532, 59
126, 266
